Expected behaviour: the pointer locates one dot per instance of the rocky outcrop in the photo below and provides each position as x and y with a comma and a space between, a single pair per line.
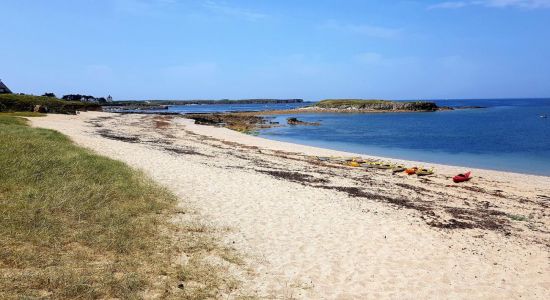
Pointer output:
295, 121
373, 105
40, 109
235, 121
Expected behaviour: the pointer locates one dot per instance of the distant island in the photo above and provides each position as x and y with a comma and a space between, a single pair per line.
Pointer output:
363, 105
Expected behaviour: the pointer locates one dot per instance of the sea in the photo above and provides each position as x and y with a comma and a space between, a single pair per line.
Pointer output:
506, 134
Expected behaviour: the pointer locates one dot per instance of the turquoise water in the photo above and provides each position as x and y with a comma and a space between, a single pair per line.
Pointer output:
507, 135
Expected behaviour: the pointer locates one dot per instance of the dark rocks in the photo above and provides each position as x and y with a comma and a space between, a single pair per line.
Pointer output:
295, 121
234, 121
40, 109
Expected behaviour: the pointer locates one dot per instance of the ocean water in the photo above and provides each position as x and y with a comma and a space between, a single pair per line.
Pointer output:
210, 108
507, 135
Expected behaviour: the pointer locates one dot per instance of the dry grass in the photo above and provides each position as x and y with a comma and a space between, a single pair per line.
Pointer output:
77, 225
22, 114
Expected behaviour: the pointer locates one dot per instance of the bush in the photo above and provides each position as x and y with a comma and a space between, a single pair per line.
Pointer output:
12, 103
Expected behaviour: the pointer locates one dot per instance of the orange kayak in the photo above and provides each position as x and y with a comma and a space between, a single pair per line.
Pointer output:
411, 171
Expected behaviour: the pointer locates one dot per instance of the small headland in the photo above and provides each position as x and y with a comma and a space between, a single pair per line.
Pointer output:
250, 121
367, 106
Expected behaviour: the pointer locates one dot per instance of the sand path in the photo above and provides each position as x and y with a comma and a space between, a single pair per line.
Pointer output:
302, 241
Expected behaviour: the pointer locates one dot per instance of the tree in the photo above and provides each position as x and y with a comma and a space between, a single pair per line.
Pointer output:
72, 97
52, 95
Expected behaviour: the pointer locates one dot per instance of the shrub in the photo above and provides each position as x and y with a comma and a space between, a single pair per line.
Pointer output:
13, 103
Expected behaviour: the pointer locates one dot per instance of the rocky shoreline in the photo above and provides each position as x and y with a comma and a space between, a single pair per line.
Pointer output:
251, 121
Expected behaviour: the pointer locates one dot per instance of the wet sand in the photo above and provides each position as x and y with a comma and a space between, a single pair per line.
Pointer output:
314, 230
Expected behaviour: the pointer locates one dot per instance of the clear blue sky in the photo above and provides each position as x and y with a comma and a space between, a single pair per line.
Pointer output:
197, 49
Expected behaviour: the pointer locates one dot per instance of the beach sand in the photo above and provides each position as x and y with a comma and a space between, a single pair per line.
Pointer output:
311, 230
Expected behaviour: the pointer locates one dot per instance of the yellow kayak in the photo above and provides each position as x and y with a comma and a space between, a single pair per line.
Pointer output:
424, 172
398, 169
353, 164
384, 166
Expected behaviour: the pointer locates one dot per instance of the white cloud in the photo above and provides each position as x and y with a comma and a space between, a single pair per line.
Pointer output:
517, 3
365, 29
223, 8
525, 4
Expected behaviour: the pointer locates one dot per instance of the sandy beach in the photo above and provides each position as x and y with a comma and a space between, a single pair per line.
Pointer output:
314, 230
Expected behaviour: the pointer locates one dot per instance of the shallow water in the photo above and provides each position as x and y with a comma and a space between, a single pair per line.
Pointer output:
210, 108
508, 135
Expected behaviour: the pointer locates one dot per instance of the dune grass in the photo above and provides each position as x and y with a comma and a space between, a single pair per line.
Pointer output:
22, 114
74, 224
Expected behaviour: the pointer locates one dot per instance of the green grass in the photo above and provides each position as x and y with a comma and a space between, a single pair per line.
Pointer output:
26, 103
74, 224
22, 114
519, 218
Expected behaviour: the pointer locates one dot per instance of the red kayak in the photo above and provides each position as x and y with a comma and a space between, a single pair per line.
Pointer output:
462, 177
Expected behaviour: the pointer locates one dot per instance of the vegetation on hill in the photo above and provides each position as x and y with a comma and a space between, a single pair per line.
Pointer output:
85, 98
75, 225
360, 104
202, 102
28, 103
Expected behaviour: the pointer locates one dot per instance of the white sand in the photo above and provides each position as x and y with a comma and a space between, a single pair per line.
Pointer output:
305, 241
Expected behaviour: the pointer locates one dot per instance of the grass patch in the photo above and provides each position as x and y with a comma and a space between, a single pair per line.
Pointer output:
518, 218
77, 225
22, 114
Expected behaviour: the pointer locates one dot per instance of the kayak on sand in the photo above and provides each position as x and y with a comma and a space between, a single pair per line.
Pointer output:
462, 177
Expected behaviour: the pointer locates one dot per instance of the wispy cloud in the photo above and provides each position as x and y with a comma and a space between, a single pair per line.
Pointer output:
141, 7
364, 29
239, 12
525, 4
449, 5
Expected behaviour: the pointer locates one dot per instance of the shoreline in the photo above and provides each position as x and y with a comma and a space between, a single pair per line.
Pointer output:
309, 230
250, 140
409, 159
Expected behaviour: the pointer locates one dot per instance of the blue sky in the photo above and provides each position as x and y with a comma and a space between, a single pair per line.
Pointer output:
200, 49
